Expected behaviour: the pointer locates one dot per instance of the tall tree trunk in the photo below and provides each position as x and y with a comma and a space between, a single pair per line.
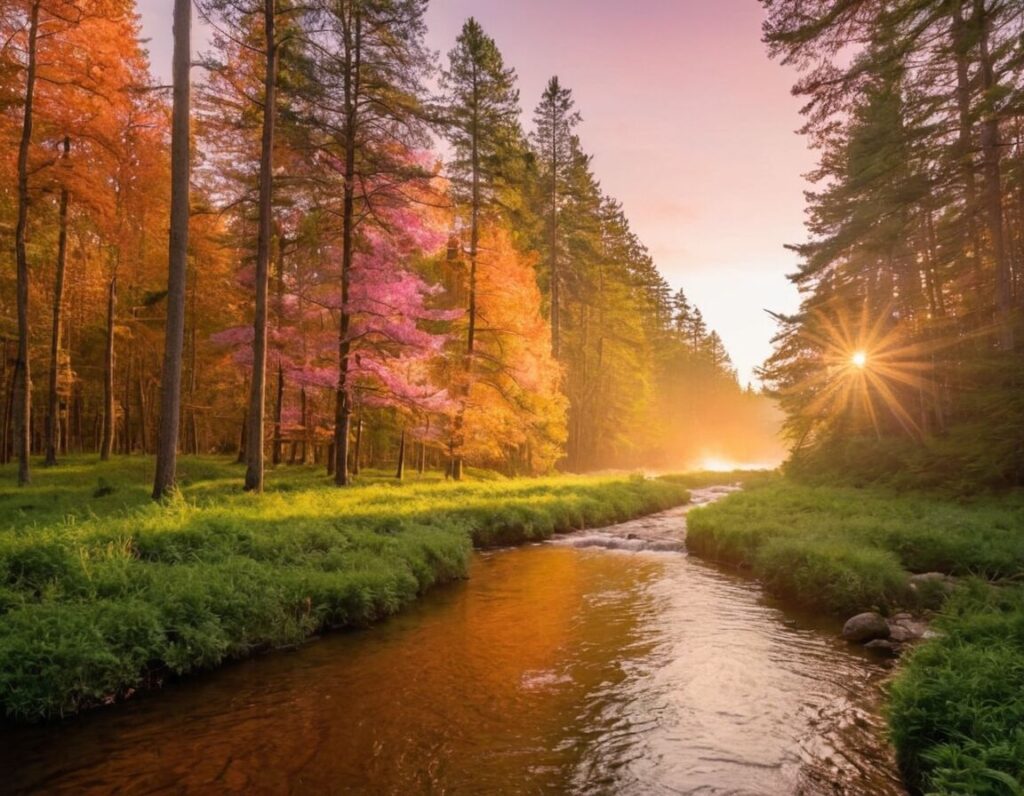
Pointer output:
126, 436
993, 186
241, 439
962, 40
5, 430
554, 275
177, 271
357, 453
257, 396
143, 414
278, 409
343, 398
307, 444
107, 440
474, 247
400, 471
23, 372
52, 400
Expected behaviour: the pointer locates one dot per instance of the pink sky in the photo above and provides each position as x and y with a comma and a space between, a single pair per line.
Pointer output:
691, 128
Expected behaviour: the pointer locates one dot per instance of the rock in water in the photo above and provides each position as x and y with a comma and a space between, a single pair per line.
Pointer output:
865, 627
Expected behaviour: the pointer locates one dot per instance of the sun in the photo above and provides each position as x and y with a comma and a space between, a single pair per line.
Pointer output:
859, 359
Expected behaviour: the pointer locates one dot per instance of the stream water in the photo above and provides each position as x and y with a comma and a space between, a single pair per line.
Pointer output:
605, 662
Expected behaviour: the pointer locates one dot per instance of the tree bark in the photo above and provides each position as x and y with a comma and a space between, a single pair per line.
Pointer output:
357, 453
23, 373
343, 398
400, 472
275, 457
170, 392
52, 399
257, 396
107, 440
993, 188
961, 46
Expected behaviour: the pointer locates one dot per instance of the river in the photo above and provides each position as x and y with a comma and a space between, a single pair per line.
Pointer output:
593, 664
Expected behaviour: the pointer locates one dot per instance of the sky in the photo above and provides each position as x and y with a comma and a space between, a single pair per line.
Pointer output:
691, 126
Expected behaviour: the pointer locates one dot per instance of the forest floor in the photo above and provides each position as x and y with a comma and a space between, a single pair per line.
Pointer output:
103, 592
956, 703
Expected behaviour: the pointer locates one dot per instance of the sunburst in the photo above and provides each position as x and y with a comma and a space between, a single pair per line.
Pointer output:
866, 367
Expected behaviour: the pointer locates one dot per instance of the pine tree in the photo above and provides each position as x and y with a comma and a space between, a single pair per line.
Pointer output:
554, 120
481, 119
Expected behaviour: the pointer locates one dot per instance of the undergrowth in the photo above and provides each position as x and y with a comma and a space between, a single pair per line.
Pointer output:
100, 596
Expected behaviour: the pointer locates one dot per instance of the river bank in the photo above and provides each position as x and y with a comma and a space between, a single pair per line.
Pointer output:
956, 705
103, 594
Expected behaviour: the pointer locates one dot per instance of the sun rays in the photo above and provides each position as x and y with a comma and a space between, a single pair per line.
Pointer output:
867, 370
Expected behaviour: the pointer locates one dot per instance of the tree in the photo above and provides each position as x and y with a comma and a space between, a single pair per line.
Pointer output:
372, 65
481, 113
554, 120
170, 391
23, 374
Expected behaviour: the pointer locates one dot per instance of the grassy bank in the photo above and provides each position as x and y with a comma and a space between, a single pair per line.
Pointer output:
957, 703
103, 593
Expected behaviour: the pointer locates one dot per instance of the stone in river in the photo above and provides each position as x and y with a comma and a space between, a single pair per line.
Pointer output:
865, 627
885, 646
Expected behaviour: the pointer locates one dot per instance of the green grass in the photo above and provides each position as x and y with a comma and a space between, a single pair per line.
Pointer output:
848, 549
103, 592
956, 711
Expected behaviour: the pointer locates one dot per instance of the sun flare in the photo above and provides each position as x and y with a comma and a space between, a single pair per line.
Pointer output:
859, 359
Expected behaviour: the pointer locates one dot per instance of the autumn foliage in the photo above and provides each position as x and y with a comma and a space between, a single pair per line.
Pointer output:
494, 309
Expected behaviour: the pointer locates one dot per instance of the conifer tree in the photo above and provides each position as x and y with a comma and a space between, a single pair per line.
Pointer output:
554, 120
481, 120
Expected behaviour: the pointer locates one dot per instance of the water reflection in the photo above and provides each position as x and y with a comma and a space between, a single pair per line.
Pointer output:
552, 669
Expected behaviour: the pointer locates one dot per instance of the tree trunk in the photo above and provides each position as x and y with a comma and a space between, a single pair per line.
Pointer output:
993, 189
257, 396
961, 44
143, 414
241, 439
474, 248
23, 373
5, 440
52, 400
107, 440
126, 436
343, 399
278, 408
357, 453
307, 441
170, 392
400, 472
554, 275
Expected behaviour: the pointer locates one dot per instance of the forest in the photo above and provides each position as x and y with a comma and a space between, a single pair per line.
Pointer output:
915, 255
381, 265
